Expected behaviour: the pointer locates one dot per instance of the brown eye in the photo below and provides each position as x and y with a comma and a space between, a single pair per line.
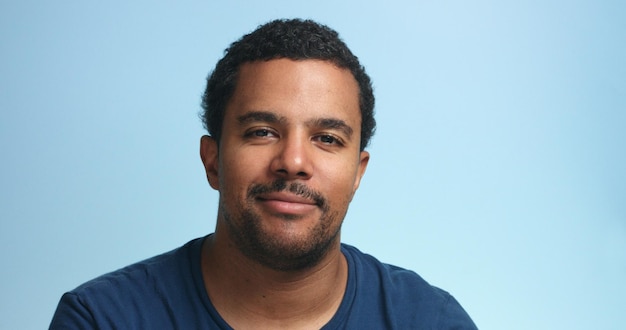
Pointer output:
328, 139
261, 132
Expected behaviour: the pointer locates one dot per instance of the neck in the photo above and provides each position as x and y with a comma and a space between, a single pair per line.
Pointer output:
250, 295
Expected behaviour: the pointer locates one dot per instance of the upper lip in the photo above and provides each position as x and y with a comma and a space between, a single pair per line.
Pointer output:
287, 197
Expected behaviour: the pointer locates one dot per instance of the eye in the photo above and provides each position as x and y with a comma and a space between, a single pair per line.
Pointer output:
329, 140
260, 133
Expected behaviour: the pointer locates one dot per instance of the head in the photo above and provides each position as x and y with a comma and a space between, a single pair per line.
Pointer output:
292, 39
290, 111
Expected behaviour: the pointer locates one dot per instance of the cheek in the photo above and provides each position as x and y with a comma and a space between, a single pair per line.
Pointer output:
229, 175
237, 173
341, 179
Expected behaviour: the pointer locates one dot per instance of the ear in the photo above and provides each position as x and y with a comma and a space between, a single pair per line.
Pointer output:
209, 156
364, 158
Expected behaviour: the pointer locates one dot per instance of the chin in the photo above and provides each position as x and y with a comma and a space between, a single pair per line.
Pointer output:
284, 243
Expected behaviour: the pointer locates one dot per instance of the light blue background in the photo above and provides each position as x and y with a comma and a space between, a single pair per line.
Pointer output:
498, 171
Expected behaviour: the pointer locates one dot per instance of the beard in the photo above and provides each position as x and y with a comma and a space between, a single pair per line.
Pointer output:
245, 226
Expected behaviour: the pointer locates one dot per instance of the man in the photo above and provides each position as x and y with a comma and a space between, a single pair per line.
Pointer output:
289, 110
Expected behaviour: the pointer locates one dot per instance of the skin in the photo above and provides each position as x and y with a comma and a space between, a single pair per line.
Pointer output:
275, 259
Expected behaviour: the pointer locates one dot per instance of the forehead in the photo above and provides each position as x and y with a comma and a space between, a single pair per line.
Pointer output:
303, 88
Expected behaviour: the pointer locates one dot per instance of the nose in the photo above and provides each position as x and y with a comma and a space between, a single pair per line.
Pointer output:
292, 159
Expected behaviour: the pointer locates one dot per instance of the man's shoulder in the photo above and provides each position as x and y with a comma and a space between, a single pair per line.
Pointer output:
398, 280
402, 294
142, 273
140, 295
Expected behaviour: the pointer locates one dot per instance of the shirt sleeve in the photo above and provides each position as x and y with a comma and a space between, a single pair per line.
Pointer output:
71, 313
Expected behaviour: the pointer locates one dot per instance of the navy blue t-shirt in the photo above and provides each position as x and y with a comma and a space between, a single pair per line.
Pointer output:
167, 292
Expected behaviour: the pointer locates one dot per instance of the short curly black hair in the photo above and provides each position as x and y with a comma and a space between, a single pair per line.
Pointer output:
294, 39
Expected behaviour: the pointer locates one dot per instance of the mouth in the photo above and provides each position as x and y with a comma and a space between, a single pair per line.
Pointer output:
289, 200
287, 203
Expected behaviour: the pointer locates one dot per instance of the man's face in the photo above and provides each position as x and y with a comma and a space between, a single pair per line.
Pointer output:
288, 161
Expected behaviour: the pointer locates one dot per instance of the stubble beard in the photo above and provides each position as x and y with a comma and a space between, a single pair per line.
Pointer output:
287, 255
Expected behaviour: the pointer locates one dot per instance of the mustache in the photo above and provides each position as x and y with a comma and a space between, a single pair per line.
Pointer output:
281, 185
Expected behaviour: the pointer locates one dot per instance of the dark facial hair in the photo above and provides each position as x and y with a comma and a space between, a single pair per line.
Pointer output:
253, 242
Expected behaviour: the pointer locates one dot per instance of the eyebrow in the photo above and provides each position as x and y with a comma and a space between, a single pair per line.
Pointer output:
332, 123
260, 116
